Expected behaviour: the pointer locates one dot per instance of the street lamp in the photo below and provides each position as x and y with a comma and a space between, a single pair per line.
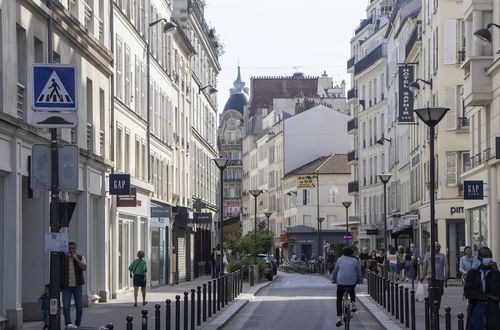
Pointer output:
212, 89
415, 86
346, 205
255, 193
221, 164
268, 215
431, 117
385, 178
168, 27
485, 33
320, 249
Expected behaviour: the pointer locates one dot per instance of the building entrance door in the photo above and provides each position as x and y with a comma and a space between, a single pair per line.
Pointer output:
306, 250
455, 242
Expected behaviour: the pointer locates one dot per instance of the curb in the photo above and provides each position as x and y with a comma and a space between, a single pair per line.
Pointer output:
377, 313
228, 314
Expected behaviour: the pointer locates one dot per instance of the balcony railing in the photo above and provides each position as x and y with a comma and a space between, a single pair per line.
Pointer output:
352, 156
235, 162
352, 93
463, 123
21, 93
350, 63
352, 124
367, 61
101, 142
415, 36
364, 23
353, 187
90, 137
195, 7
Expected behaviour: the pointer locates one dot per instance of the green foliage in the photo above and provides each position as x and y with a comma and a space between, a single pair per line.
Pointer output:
244, 265
337, 249
246, 245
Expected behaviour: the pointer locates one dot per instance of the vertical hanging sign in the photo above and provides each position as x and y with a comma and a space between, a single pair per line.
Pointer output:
406, 76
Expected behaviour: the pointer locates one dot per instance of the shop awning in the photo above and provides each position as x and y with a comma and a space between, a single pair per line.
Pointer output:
405, 233
279, 244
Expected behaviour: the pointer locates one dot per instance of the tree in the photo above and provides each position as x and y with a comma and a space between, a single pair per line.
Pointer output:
246, 246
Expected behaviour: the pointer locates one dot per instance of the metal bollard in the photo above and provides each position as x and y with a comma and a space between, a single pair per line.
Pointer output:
376, 288
177, 312
168, 309
401, 305
219, 287
186, 310
383, 293
144, 319
435, 314
129, 322
204, 302
198, 306
388, 296
110, 326
407, 307
447, 311
379, 290
193, 291
226, 285
222, 291
413, 319
427, 314
157, 316
460, 321
214, 296
396, 291
392, 298
209, 299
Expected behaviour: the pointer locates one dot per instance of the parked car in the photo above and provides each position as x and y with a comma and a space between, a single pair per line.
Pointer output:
265, 259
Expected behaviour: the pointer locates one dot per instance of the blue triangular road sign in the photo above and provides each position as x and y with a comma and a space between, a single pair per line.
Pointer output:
54, 91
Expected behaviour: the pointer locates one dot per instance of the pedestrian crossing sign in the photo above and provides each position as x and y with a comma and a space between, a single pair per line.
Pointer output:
54, 87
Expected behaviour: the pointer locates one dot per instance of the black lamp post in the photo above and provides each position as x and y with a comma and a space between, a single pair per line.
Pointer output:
385, 178
485, 33
167, 27
221, 164
431, 117
255, 193
320, 247
346, 205
268, 215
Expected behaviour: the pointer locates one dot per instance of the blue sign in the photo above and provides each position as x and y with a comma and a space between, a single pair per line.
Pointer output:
473, 189
161, 211
54, 87
119, 184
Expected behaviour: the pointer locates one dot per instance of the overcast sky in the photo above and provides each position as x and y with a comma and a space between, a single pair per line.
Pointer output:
280, 37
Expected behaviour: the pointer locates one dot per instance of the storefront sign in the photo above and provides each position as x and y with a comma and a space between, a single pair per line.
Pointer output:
202, 218
371, 232
405, 94
456, 209
306, 181
473, 189
119, 184
128, 200
161, 211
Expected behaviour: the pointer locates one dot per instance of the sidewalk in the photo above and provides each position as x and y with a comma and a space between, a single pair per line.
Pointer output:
115, 311
453, 298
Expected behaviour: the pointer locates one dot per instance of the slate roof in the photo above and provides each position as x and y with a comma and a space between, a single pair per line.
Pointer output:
332, 164
236, 101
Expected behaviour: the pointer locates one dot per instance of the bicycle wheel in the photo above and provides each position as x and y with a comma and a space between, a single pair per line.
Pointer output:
346, 302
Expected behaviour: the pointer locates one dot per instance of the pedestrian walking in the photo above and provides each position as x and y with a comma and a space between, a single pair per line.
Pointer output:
44, 301
441, 272
73, 287
393, 263
364, 260
408, 263
401, 263
212, 262
468, 262
373, 262
331, 261
218, 261
482, 288
138, 269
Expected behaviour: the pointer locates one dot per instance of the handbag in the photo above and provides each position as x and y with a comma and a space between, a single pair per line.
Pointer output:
135, 268
420, 294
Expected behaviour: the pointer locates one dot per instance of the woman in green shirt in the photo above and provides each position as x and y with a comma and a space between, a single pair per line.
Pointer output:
138, 269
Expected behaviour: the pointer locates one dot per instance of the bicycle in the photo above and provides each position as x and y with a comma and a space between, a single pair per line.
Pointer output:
346, 309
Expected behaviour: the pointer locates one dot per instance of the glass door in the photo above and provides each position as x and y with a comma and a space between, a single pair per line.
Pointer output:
125, 252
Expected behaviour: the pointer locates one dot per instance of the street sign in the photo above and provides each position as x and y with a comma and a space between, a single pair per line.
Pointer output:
306, 181
41, 162
56, 242
54, 87
129, 200
202, 218
54, 119
473, 189
119, 184
161, 211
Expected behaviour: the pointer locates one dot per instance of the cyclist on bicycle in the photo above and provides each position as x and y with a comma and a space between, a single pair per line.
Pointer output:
347, 274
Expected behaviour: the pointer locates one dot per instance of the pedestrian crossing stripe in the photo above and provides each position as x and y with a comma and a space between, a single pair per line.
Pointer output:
54, 92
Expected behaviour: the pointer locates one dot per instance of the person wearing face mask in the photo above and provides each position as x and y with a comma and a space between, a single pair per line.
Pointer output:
482, 288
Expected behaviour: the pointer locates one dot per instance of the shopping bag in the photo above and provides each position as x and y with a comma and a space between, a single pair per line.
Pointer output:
420, 294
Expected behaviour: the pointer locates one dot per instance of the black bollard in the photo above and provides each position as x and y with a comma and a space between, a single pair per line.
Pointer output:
222, 291
435, 315
376, 288
186, 310
198, 306
226, 285
401, 305
214, 289
209, 302
389, 296
383, 293
177, 312
110, 326
427, 314
396, 291
460, 321
168, 309
193, 291
413, 319
144, 319
129, 322
447, 311
204, 302
157, 316
219, 293
407, 307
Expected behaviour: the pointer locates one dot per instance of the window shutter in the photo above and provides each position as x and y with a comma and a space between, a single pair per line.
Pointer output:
451, 102
451, 169
304, 197
450, 41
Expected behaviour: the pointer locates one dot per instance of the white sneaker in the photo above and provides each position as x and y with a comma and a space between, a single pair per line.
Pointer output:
339, 322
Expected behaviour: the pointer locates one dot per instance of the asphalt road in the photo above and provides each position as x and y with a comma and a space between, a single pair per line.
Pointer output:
296, 301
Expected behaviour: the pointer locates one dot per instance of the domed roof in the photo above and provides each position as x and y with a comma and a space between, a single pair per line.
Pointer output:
237, 100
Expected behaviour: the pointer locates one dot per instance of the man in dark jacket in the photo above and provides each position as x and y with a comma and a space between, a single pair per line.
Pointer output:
76, 266
482, 288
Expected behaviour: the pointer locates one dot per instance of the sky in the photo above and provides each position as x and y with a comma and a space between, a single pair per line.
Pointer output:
280, 37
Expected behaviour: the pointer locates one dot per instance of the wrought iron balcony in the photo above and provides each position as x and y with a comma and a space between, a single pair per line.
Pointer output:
350, 63
415, 36
352, 93
352, 156
463, 123
370, 59
364, 23
352, 124
353, 187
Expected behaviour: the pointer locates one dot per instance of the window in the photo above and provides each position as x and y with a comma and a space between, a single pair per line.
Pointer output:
128, 74
306, 218
21, 73
126, 152
306, 197
331, 220
137, 158
90, 119
119, 68
465, 161
119, 148
330, 196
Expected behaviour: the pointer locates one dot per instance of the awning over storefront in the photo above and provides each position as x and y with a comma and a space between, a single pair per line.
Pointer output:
404, 233
279, 244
